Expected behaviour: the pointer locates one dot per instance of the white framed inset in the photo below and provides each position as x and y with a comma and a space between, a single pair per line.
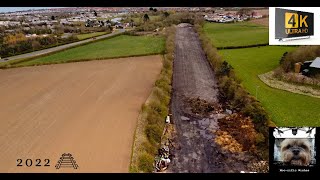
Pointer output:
303, 40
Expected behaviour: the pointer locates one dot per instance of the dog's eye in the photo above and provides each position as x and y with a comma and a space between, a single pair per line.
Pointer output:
303, 146
289, 146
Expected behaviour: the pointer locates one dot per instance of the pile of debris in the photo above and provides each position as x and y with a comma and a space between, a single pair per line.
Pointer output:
200, 106
184, 25
241, 129
227, 142
260, 167
164, 157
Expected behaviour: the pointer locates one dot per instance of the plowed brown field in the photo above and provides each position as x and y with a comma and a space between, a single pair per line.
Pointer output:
88, 109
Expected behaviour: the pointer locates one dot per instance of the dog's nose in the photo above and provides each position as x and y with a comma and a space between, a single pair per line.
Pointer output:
296, 151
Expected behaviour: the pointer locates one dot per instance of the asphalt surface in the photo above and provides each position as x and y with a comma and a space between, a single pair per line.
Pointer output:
58, 48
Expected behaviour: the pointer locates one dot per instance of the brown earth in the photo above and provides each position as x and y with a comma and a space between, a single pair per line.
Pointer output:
88, 109
261, 21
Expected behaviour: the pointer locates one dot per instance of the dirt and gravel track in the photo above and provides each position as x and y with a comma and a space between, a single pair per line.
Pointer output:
192, 78
88, 109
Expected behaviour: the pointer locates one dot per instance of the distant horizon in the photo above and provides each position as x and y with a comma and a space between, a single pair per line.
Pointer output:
14, 9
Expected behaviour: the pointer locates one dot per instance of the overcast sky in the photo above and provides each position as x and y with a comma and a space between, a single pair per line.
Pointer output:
12, 9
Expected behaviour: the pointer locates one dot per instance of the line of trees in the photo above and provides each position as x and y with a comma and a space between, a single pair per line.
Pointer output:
37, 30
80, 29
15, 44
166, 19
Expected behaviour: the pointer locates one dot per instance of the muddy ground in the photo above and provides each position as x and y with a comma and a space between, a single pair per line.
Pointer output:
193, 78
88, 109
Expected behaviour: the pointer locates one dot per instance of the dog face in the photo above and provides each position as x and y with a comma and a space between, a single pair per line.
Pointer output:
296, 152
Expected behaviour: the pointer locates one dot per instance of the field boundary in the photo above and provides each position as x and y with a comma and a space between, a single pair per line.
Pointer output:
240, 47
104, 33
251, 46
80, 60
139, 137
5, 65
293, 88
151, 120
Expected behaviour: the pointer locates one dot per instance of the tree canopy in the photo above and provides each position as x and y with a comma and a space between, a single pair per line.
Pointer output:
146, 17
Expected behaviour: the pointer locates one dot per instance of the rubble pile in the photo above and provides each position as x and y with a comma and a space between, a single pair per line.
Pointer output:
164, 156
200, 106
227, 142
260, 167
241, 129
184, 25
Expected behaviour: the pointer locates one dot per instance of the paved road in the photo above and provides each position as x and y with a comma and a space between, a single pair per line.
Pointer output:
58, 48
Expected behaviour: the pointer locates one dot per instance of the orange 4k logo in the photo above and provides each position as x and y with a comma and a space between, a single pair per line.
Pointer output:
293, 20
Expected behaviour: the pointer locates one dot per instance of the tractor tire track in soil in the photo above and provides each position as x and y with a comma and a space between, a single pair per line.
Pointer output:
195, 150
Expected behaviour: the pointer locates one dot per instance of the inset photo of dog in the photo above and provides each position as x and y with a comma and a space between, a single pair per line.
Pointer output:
292, 150
295, 152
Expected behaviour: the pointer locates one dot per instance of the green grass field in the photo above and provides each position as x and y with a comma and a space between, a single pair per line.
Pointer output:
285, 108
119, 46
236, 34
90, 35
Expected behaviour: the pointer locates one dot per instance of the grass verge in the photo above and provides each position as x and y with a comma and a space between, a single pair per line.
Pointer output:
151, 122
234, 95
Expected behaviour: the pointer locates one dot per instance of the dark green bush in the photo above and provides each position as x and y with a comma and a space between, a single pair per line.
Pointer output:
162, 96
163, 84
159, 108
150, 149
224, 69
155, 119
153, 133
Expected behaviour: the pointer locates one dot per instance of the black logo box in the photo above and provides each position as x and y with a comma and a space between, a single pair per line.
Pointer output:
280, 23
